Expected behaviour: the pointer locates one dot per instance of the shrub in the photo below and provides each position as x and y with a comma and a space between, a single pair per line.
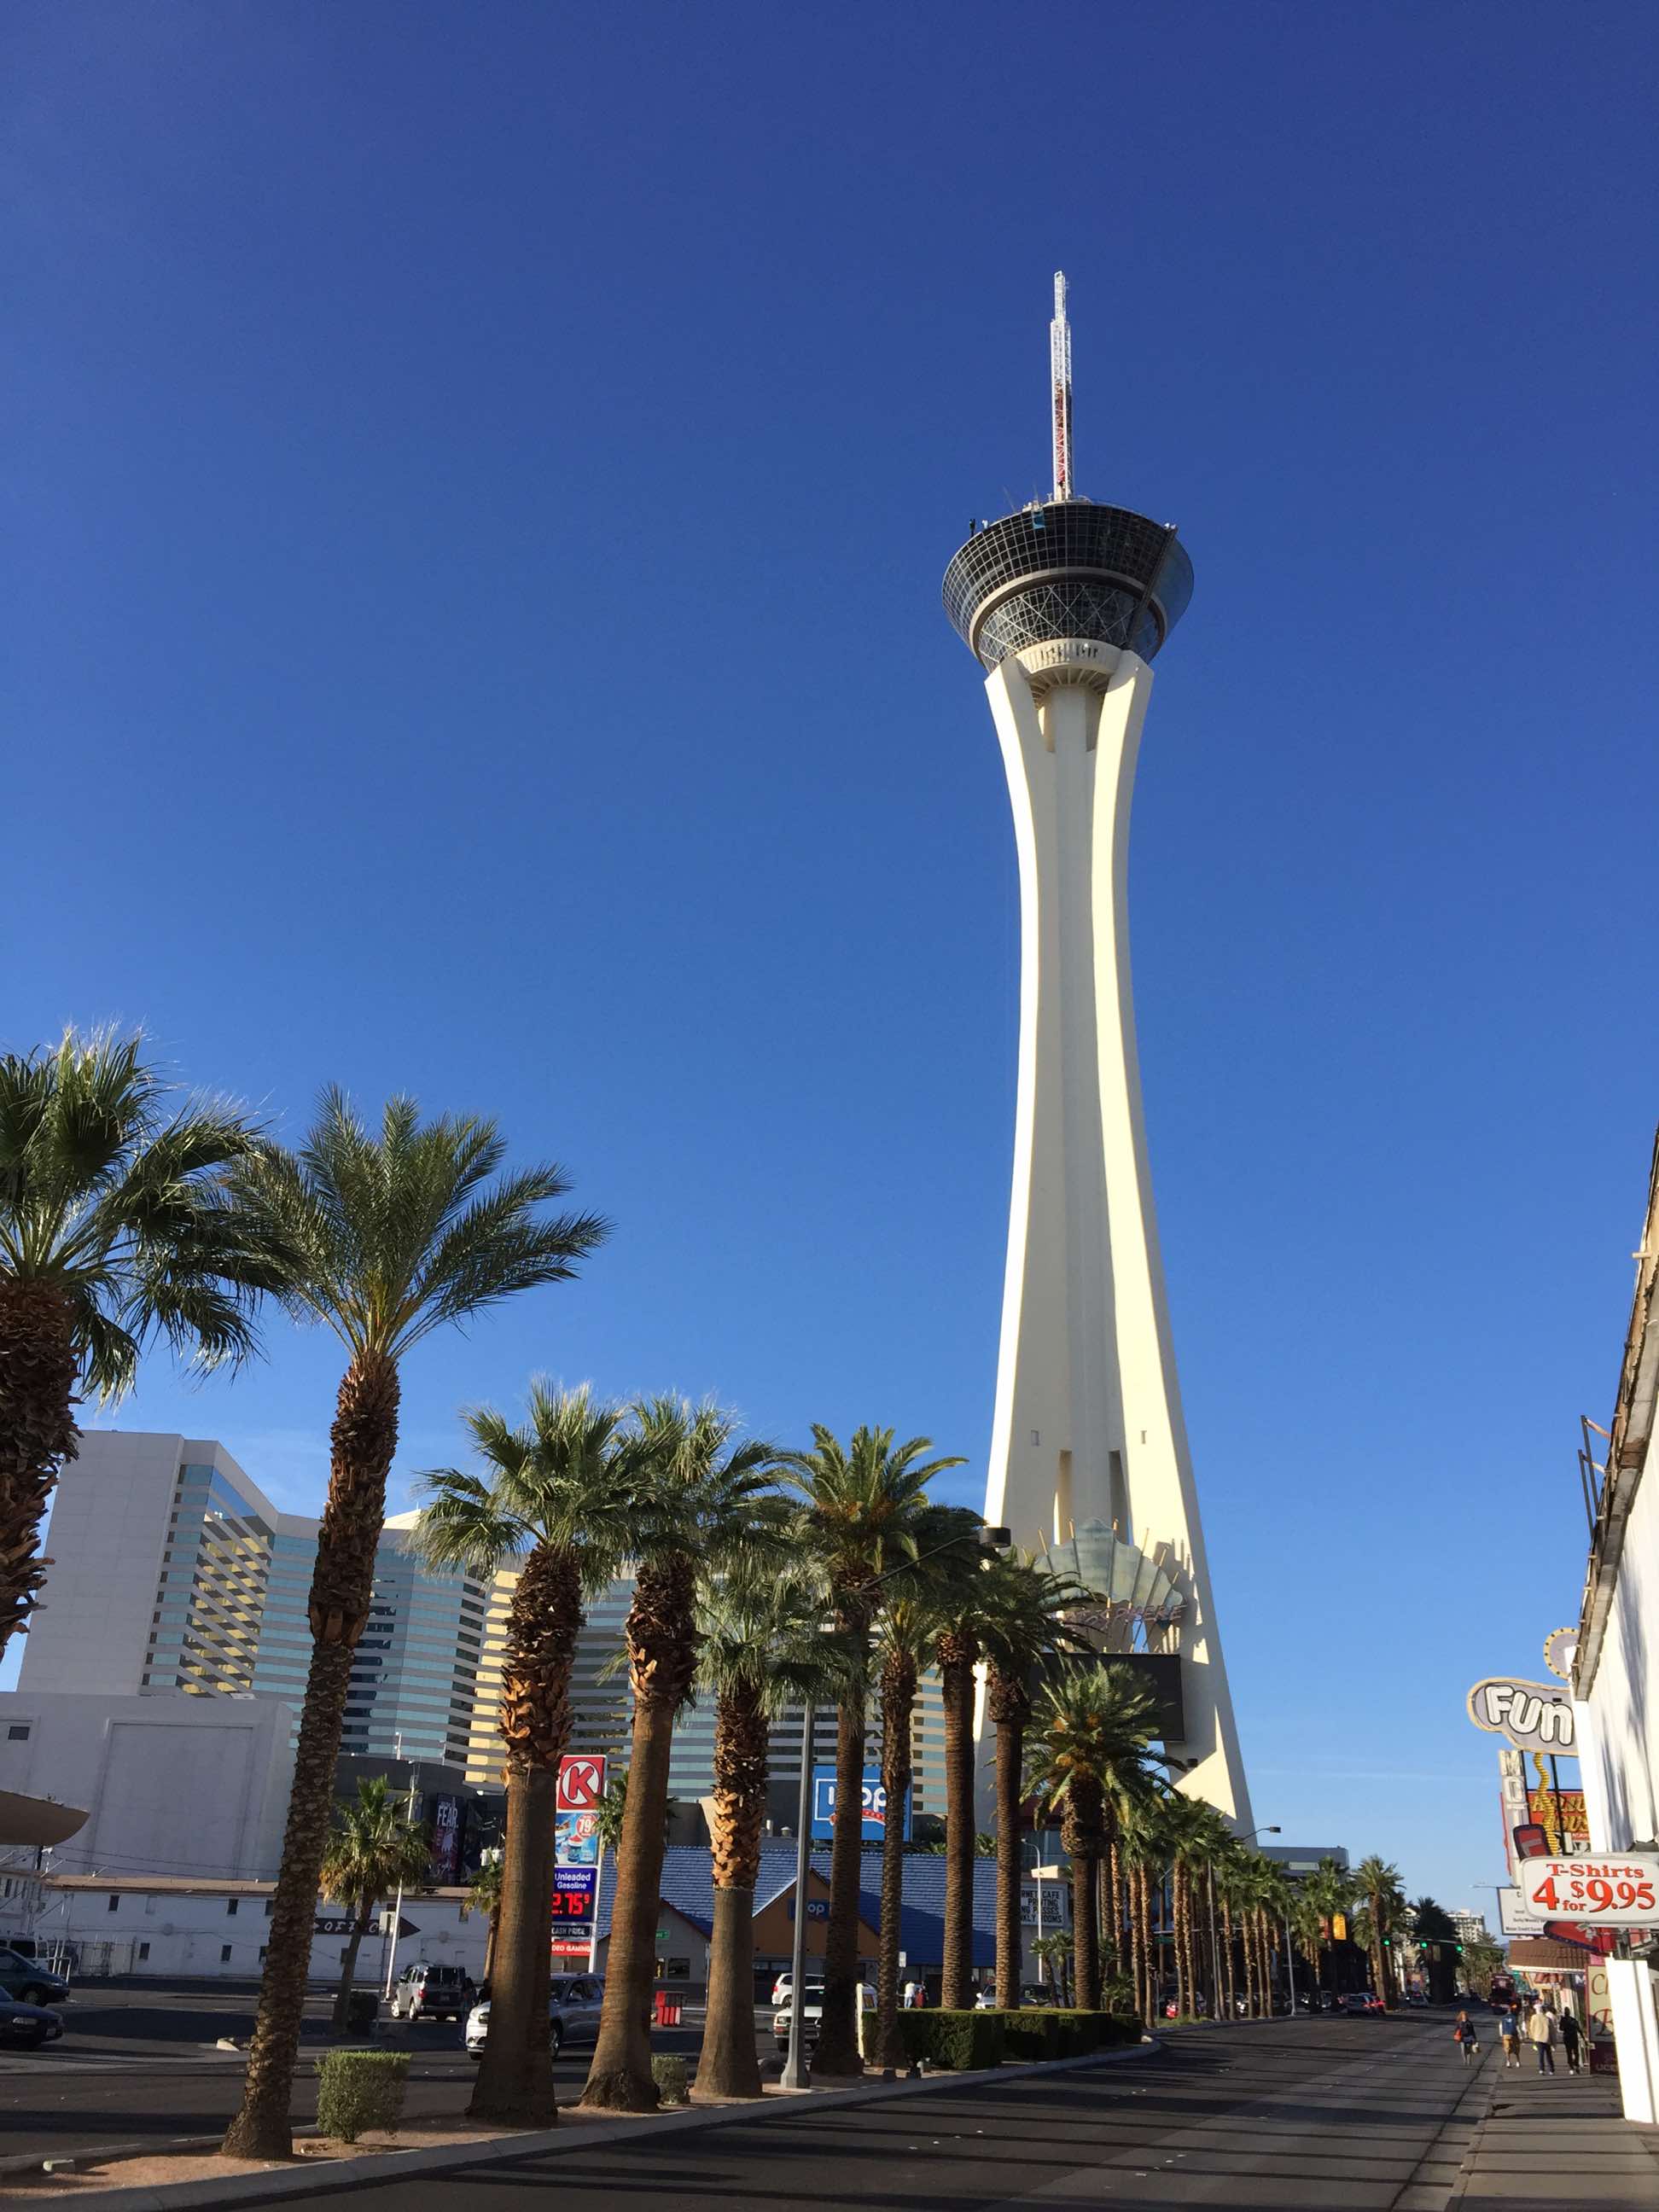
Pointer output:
1081, 2032
359, 2089
669, 2075
1031, 2034
959, 2042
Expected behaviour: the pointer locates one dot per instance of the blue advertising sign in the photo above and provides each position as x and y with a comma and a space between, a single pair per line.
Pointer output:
572, 1893
875, 1805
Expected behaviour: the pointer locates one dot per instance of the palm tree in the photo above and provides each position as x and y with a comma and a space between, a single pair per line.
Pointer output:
904, 1639
1329, 1891
761, 1650
1195, 1841
1378, 1883
1023, 1632
556, 1502
703, 1495
1091, 1731
115, 1227
373, 1849
864, 1503
387, 1239
953, 1536
1054, 1951
483, 1895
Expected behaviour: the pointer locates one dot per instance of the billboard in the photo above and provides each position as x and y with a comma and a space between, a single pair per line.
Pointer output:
576, 1811
1561, 1814
572, 1893
1603, 1890
1534, 1716
445, 1813
875, 1805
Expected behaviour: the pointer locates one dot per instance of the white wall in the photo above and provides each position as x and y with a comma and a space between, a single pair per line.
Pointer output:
174, 1936
1618, 1731
172, 1784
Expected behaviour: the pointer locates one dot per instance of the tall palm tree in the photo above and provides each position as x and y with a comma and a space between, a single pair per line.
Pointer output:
864, 1503
704, 1494
1091, 1730
1196, 1840
115, 1227
1329, 1891
387, 1238
556, 1502
373, 1849
964, 1569
1023, 1633
761, 1650
904, 1642
1378, 1883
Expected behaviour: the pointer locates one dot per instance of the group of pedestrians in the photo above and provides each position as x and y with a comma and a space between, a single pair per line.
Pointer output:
1544, 2029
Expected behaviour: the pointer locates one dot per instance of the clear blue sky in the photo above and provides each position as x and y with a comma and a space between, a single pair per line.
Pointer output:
481, 481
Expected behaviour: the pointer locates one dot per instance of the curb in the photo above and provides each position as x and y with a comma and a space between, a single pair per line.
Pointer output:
344, 2174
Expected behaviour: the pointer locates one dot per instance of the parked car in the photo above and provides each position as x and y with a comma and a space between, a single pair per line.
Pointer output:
424, 1991
27, 2026
30, 1982
574, 2004
782, 1986
1362, 2001
811, 2015
1039, 1993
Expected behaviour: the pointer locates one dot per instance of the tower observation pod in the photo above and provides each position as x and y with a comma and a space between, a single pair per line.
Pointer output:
1066, 605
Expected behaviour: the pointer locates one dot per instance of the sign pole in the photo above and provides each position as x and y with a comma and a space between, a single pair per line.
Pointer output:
598, 1884
795, 2069
397, 1909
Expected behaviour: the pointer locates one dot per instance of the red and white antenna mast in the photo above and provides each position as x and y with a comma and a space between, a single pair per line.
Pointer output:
1059, 377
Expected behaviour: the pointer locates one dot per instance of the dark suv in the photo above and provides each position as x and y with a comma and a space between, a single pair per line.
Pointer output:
424, 1992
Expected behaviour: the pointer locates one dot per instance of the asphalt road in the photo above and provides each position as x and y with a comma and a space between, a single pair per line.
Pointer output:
136, 2064
1328, 2113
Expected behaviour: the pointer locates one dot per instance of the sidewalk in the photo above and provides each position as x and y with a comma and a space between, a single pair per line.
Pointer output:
1555, 2140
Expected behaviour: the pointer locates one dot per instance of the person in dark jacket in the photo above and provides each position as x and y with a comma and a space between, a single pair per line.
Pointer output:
1572, 2039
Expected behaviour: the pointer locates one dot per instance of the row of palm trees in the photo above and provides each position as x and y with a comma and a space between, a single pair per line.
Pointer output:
759, 1574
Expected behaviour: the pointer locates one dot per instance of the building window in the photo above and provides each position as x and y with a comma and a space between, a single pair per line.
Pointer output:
224, 1954
114, 1904
231, 1903
18, 1732
143, 1951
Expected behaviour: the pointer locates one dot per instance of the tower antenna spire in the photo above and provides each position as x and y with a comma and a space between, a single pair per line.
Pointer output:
1059, 378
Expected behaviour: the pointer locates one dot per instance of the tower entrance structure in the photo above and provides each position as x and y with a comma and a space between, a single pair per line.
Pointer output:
1067, 603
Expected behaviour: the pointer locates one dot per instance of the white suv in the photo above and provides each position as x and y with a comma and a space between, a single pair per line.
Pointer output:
574, 2002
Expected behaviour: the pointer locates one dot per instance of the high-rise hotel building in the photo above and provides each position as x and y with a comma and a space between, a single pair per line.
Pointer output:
171, 1570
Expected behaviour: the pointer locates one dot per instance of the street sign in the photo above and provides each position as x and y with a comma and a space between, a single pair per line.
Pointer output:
1513, 1917
1532, 1716
1601, 1890
405, 1927
818, 1908
581, 1782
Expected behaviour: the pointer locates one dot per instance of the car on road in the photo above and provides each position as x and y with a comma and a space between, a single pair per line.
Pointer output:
424, 1991
1362, 2001
574, 2005
27, 2026
30, 1982
812, 2014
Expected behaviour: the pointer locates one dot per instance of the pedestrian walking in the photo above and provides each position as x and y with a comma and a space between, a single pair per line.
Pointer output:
1467, 2037
1572, 2041
1508, 2026
1543, 2035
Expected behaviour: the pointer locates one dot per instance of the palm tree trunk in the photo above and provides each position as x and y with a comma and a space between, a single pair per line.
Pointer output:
348, 1963
1085, 1944
362, 1440
838, 2054
898, 1698
729, 2065
619, 2079
38, 1370
1121, 1941
956, 1698
491, 1939
1182, 1953
1227, 1960
1011, 1744
515, 2075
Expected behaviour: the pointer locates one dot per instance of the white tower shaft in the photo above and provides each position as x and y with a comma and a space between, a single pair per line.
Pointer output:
1059, 378
1088, 1422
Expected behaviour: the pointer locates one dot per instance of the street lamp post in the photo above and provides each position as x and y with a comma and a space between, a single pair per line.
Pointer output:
795, 2071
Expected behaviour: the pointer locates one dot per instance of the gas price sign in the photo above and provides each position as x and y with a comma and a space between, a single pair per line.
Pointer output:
1618, 1891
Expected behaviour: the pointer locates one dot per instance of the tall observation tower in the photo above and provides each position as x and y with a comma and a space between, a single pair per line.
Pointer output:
1067, 603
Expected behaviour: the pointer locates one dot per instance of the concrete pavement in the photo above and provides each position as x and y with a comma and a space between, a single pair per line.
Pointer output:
1555, 2140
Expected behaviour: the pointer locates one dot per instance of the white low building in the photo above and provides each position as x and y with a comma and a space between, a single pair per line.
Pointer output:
171, 1785
1617, 1714
181, 1930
